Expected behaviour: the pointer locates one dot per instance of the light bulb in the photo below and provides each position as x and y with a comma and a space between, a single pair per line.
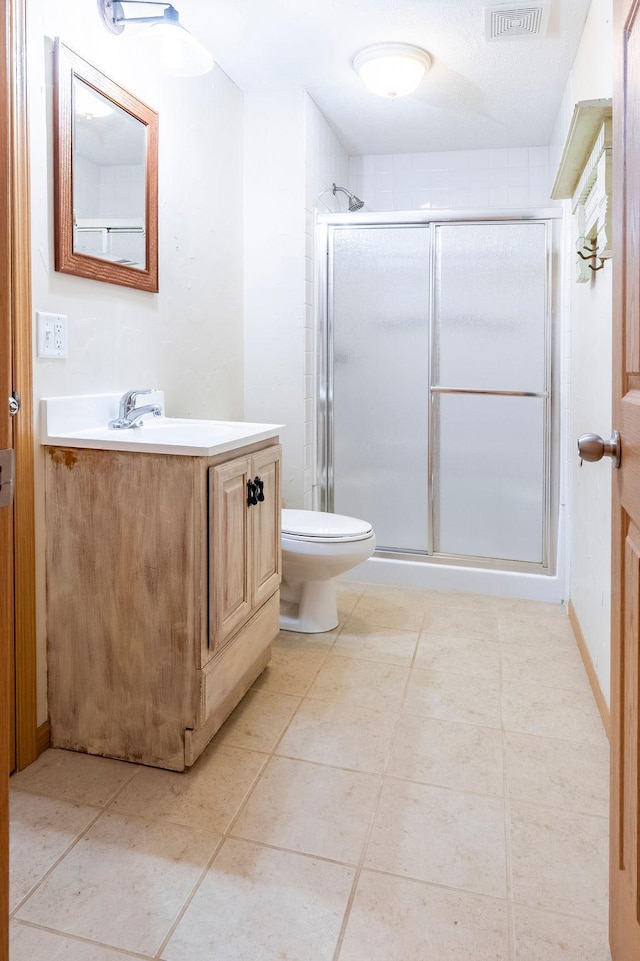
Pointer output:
178, 51
392, 69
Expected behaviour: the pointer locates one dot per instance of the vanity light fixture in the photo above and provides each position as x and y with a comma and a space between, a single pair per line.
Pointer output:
392, 69
178, 51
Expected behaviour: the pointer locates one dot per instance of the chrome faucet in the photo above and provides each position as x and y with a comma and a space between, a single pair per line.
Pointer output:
129, 415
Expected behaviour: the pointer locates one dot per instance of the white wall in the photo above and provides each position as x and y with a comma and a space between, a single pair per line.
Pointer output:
590, 364
188, 338
292, 157
274, 278
326, 163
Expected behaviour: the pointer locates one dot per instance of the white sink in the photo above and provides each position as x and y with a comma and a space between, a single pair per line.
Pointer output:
82, 422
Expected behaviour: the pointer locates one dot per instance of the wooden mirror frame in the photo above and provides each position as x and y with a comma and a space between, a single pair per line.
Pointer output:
69, 65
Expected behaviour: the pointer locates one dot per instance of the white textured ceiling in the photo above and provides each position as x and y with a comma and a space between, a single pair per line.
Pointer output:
477, 94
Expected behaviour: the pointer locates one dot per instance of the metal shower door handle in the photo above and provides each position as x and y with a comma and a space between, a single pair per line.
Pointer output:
592, 447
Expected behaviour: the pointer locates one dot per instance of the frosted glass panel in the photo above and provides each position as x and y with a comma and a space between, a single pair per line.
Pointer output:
490, 306
489, 477
380, 388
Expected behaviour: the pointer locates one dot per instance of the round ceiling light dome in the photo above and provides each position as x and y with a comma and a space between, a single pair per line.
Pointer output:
392, 69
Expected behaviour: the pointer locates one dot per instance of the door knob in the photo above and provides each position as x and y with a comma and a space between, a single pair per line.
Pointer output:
592, 447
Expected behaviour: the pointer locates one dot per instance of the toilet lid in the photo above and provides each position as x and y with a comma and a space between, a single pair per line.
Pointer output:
316, 525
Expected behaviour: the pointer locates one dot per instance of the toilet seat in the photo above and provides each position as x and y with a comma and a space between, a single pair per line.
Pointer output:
323, 528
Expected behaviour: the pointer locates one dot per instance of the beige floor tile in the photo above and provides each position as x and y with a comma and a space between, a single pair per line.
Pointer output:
395, 610
348, 586
394, 919
540, 936
458, 756
454, 697
463, 602
343, 735
546, 632
438, 831
33, 944
405, 597
364, 683
206, 797
289, 671
304, 807
390, 646
41, 830
257, 904
566, 774
551, 712
433, 834
461, 623
74, 777
145, 873
522, 606
347, 600
458, 655
258, 721
559, 860
309, 643
528, 665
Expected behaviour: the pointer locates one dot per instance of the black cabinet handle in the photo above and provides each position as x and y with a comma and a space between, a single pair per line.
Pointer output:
259, 486
252, 494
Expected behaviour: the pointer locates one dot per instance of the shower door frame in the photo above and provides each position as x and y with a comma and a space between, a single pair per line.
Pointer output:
324, 476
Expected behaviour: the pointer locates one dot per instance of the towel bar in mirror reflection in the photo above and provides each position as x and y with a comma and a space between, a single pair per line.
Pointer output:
105, 177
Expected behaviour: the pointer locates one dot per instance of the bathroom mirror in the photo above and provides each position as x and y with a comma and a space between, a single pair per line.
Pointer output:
105, 178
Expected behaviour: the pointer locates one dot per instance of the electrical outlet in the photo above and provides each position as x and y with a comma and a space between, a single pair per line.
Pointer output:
51, 334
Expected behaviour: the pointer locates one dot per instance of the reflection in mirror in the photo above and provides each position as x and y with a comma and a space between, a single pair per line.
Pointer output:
106, 173
109, 167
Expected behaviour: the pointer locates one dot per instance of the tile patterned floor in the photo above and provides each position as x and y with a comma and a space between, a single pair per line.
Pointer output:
429, 781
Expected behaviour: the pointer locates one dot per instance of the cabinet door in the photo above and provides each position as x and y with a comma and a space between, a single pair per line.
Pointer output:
265, 526
230, 585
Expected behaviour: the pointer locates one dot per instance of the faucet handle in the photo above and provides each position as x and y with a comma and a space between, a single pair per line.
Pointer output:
128, 400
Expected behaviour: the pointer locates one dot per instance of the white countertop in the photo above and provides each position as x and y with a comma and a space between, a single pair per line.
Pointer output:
82, 421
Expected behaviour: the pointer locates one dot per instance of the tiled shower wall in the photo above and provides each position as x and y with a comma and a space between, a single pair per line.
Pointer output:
463, 179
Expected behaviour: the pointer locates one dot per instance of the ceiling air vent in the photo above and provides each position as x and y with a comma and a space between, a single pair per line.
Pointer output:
515, 21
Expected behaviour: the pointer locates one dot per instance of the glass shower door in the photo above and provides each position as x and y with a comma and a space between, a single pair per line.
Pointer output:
490, 391
378, 389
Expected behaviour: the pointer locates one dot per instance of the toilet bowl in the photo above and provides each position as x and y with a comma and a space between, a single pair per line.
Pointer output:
316, 548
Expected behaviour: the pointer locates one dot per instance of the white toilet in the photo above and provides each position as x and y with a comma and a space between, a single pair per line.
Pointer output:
316, 548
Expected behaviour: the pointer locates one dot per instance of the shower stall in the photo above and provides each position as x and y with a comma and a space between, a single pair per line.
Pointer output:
434, 386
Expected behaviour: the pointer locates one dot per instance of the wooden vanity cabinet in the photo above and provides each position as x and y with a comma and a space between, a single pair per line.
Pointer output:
245, 542
162, 596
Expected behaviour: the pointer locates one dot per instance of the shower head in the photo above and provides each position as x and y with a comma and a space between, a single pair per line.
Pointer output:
354, 202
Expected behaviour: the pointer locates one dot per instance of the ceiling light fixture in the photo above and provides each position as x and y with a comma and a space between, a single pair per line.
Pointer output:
178, 51
392, 69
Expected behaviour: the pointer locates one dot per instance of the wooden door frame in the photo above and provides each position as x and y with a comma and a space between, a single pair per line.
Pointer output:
6, 527
24, 509
15, 303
